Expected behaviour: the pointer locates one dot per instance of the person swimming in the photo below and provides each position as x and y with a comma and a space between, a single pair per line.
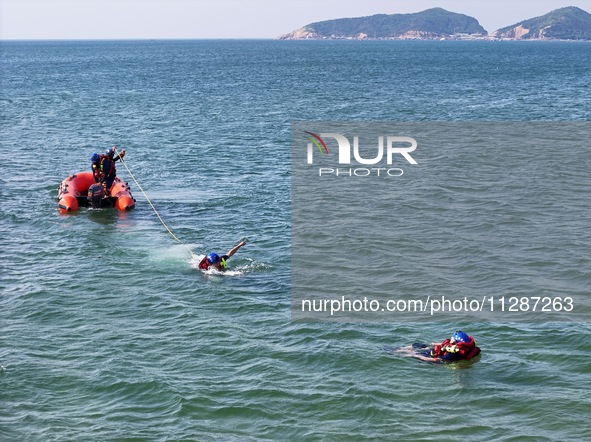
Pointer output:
459, 347
216, 261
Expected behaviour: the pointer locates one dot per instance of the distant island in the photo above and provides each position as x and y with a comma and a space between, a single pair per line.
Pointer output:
433, 23
570, 23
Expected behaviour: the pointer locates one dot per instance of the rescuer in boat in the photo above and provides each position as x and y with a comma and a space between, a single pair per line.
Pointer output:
216, 261
459, 347
103, 167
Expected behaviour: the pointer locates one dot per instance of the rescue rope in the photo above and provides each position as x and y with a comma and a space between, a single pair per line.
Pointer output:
152, 205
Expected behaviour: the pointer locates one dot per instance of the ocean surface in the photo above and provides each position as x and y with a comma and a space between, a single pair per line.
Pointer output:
108, 331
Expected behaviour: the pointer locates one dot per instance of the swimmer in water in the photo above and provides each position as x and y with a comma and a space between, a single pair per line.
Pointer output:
219, 262
459, 347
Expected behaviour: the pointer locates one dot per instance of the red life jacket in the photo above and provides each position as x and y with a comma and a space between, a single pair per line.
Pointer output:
466, 350
96, 171
112, 169
204, 265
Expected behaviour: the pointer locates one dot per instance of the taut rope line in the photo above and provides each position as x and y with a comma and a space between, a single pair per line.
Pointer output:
152, 205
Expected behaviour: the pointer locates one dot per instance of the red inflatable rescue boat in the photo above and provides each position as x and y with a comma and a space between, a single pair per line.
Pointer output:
80, 190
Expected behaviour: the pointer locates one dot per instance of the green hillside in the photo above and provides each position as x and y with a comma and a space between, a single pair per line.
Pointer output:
432, 23
570, 23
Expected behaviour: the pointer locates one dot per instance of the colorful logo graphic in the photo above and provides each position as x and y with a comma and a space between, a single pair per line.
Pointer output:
318, 142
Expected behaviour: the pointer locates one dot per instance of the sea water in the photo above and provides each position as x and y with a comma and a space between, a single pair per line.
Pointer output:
109, 331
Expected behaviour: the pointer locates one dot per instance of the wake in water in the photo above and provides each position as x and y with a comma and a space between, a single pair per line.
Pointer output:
182, 254
239, 270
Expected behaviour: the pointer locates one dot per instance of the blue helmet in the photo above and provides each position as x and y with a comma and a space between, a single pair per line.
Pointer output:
94, 158
213, 258
460, 336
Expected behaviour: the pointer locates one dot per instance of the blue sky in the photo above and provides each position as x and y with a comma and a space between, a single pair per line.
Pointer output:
140, 19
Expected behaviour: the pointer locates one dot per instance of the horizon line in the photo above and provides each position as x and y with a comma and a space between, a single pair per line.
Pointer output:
133, 39
161, 39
